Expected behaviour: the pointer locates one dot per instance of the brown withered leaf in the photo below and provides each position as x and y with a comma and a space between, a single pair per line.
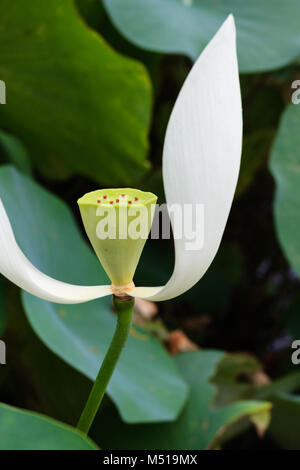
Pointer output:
178, 342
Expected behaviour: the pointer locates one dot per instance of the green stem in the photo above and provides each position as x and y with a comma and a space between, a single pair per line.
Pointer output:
124, 311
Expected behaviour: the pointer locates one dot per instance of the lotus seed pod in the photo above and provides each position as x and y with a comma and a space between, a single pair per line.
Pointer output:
117, 223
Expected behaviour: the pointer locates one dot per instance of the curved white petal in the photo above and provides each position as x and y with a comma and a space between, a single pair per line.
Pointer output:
145, 292
202, 154
17, 268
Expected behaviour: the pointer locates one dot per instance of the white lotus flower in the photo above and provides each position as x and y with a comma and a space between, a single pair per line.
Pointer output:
201, 162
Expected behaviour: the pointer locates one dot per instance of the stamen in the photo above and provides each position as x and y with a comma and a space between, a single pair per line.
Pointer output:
111, 202
104, 197
136, 198
117, 200
129, 202
98, 201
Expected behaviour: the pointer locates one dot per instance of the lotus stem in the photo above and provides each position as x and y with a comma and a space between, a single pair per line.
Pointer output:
124, 308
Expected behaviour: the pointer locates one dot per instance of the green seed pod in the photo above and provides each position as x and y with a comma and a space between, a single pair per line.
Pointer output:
118, 222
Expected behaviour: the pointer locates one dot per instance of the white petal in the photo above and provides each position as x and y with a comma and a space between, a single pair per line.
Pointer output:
202, 154
18, 269
145, 292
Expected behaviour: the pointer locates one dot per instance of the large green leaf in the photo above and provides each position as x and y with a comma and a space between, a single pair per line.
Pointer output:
77, 105
44, 376
146, 385
24, 430
13, 151
198, 425
285, 166
268, 31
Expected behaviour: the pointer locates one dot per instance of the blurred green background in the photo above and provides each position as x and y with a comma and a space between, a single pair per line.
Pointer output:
90, 85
